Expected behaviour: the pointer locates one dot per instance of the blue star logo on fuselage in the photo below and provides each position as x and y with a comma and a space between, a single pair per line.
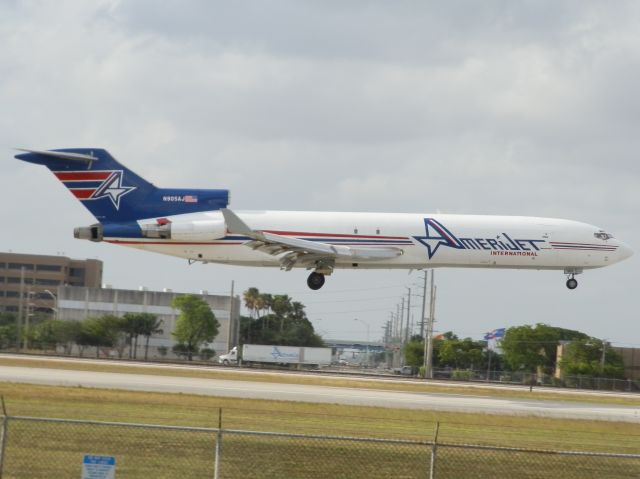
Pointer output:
113, 189
437, 235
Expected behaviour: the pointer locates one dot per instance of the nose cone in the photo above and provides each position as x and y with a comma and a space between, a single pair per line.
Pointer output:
624, 251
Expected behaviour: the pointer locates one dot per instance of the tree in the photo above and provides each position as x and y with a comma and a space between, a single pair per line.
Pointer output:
184, 351
7, 318
414, 353
149, 325
461, 353
531, 347
250, 297
281, 307
264, 303
102, 331
66, 333
8, 330
278, 320
52, 333
196, 323
134, 325
584, 357
414, 349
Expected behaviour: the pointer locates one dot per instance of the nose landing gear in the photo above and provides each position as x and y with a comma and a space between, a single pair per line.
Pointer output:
572, 282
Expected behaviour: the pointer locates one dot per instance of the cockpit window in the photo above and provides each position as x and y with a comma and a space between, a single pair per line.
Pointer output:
602, 235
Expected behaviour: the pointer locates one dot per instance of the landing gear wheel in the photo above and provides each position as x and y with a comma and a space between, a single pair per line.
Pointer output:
572, 283
315, 280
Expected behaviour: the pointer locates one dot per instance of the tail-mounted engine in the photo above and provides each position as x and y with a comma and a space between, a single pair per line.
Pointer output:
204, 230
94, 232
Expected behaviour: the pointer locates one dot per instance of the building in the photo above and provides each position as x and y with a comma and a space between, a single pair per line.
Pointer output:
631, 360
80, 303
28, 281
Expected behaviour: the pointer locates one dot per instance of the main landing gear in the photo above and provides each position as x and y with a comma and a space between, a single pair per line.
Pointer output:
572, 282
323, 267
315, 280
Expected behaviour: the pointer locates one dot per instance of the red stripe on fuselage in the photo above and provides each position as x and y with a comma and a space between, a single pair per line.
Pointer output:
331, 235
563, 243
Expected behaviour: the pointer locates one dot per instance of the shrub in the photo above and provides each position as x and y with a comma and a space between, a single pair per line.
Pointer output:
459, 375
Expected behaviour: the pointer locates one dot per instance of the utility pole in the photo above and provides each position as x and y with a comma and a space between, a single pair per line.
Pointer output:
604, 356
406, 331
428, 365
29, 312
424, 302
401, 335
20, 309
395, 321
231, 323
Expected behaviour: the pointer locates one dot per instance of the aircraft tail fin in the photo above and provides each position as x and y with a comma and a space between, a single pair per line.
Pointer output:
115, 194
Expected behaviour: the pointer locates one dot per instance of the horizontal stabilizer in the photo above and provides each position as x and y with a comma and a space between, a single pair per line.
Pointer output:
63, 155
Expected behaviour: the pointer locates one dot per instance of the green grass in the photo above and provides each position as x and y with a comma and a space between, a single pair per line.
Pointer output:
319, 419
143, 453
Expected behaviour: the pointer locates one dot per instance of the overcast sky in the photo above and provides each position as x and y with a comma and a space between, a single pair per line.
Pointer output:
493, 107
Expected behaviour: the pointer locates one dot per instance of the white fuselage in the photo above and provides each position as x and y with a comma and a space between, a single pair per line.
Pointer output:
426, 240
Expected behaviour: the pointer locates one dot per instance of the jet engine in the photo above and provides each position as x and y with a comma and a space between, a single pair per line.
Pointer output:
203, 230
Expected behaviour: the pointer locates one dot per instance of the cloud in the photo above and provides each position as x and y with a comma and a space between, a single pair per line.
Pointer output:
506, 108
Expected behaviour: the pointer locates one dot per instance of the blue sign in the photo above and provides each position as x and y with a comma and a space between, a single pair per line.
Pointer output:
98, 467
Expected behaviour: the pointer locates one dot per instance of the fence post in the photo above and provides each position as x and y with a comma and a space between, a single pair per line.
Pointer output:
3, 435
216, 467
434, 448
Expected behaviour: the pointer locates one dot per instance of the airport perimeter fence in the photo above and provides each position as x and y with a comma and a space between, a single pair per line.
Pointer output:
35, 448
527, 379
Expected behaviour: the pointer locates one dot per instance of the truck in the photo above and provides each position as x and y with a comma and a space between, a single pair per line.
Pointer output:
273, 354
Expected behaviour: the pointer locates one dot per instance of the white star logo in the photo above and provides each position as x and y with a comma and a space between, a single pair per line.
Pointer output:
437, 235
113, 189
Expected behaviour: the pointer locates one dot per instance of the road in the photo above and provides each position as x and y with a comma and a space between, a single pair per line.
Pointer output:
321, 394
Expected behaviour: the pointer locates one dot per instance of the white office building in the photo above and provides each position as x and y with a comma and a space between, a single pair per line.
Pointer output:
80, 303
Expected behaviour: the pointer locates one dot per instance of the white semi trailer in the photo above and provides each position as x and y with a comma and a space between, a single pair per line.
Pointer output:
272, 354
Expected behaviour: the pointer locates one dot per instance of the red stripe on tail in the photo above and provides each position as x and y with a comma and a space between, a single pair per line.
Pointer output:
82, 175
82, 194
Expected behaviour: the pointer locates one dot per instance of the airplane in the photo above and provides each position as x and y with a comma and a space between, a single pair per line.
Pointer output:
198, 225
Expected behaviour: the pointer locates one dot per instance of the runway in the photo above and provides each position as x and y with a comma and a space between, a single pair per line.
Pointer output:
321, 394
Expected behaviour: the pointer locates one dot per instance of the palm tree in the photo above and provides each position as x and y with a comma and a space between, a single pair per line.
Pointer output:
150, 325
137, 324
297, 310
281, 307
264, 303
250, 297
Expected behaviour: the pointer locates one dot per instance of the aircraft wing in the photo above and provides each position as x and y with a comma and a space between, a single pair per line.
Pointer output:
299, 251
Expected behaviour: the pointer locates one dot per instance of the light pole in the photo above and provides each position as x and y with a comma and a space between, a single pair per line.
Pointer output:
55, 299
368, 329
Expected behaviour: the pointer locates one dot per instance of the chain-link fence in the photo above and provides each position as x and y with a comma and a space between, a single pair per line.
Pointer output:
527, 378
34, 448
